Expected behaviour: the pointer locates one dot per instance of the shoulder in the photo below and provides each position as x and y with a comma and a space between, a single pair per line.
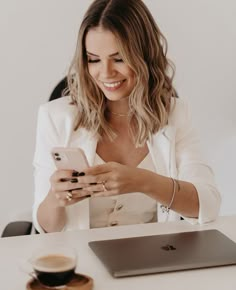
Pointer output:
57, 117
59, 106
58, 110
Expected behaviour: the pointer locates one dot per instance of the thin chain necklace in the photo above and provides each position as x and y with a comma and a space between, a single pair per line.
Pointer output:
118, 114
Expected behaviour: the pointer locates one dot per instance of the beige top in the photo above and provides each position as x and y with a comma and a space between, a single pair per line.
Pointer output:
125, 209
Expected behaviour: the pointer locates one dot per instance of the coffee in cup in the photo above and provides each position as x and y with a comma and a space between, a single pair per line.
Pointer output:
54, 270
54, 266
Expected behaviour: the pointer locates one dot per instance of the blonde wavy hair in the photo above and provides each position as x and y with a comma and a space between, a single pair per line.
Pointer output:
144, 48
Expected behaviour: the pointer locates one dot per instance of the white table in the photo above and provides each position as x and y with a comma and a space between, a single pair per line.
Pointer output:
14, 250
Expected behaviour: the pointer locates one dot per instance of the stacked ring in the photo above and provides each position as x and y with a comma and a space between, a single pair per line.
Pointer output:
104, 186
69, 195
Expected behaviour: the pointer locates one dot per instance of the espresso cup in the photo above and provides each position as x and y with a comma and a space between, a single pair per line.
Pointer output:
54, 267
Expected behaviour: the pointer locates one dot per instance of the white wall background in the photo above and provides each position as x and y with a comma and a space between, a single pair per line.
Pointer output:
37, 41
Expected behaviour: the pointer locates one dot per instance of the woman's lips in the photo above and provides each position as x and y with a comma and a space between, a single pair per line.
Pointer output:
113, 86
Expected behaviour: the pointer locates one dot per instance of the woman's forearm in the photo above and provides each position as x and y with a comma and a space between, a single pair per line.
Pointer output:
51, 218
161, 188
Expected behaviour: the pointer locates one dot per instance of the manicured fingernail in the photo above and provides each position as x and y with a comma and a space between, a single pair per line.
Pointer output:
63, 179
75, 173
74, 180
93, 183
81, 174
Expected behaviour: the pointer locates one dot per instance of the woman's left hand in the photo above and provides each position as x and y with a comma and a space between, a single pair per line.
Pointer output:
111, 178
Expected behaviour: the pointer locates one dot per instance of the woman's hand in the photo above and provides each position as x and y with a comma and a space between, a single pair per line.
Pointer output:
111, 178
65, 189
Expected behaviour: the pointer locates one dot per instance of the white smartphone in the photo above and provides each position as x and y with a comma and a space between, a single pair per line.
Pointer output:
69, 158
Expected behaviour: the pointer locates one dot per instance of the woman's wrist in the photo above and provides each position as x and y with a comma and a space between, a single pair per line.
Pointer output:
156, 186
54, 202
180, 196
144, 181
51, 216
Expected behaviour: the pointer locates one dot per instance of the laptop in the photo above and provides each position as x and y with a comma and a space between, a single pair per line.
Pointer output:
165, 253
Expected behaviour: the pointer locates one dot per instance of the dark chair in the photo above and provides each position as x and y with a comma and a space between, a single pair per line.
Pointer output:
59, 89
20, 228
17, 228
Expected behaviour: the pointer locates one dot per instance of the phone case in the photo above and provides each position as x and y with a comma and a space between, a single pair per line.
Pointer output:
69, 158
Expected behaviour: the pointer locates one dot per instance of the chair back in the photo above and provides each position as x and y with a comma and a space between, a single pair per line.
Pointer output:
59, 89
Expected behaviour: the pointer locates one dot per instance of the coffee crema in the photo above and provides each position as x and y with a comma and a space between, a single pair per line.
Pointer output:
54, 270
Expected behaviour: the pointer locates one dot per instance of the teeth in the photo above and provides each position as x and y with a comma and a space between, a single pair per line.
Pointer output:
112, 85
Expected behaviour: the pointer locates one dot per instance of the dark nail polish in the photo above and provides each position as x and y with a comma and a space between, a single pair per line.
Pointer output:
75, 173
93, 183
63, 179
74, 180
81, 174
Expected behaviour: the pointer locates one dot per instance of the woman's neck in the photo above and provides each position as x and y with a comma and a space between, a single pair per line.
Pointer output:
118, 108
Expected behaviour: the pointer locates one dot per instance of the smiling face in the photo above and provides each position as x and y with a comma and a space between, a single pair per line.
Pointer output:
105, 65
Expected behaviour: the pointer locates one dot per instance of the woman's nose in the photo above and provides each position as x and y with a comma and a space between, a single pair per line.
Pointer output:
107, 70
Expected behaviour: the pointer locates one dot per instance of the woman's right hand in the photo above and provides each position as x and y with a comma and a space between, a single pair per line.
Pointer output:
65, 188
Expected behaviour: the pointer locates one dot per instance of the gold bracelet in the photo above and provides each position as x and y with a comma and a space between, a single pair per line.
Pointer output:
166, 208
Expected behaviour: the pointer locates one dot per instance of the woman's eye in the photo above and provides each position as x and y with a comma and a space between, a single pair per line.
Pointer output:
118, 60
93, 60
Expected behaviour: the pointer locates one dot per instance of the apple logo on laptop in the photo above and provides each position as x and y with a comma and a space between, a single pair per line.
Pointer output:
168, 247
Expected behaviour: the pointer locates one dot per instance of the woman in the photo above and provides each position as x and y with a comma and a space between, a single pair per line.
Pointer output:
145, 164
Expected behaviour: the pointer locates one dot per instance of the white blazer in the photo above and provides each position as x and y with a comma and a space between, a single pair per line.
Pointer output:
174, 151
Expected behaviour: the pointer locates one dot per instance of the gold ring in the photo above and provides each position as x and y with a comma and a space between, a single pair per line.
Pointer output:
69, 196
103, 185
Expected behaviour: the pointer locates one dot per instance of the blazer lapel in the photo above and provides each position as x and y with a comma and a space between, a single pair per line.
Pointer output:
161, 150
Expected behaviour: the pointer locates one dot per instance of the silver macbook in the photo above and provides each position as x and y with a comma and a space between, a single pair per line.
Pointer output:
165, 253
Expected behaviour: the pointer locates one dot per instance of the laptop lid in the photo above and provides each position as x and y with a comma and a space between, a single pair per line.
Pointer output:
165, 253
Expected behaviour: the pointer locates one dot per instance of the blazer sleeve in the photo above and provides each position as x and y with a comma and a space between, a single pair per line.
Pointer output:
192, 167
46, 138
